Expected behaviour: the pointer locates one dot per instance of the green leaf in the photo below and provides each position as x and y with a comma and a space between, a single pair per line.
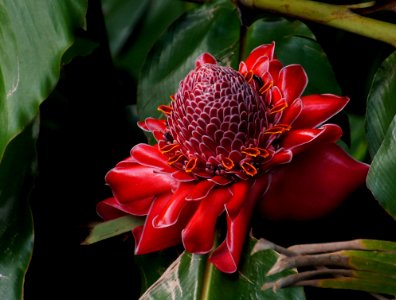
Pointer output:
381, 104
192, 277
294, 44
16, 226
382, 174
134, 26
108, 229
212, 28
33, 37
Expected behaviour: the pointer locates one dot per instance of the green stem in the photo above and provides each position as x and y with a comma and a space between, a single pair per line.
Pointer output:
338, 16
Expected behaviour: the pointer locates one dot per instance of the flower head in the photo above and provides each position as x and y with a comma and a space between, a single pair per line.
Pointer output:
230, 141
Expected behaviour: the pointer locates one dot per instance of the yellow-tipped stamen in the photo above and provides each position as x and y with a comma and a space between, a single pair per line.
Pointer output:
191, 164
251, 151
249, 76
172, 97
175, 158
228, 163
165, 109
279, 107
278, 129
249, 168
266, 86
264, 153
169, 148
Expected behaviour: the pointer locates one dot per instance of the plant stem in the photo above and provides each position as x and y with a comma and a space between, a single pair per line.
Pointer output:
338, 16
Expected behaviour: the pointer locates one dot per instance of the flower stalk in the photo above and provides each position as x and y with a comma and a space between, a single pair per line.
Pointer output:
338, 16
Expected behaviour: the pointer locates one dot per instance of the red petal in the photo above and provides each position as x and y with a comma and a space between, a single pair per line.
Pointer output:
282, 156
226, 256
261, 66
149, 238
220, 180
318, 109
239, 192
291, 113
151, 124
274, 69
111, 208
299, 140
242, 68
105, 209
199, 232
205, 58
201, 190
150, 156
258, 52
292, 81
183, 176
313, 184
171, 211
132, 182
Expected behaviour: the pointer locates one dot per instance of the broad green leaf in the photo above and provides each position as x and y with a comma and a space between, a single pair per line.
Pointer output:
212, 28
294, 44
192, 277
33, 37
107, 229
381, 104
134, 26
16, 226
382, 174
121, 17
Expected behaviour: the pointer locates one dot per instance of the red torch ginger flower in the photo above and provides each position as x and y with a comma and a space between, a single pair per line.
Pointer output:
232, 141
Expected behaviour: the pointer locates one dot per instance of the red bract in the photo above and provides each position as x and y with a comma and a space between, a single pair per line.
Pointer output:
233, 141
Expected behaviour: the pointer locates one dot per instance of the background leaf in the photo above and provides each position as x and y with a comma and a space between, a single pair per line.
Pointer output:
382, 175
212, 28
381, 104
29, 59
134, 26
381, 134
16, 226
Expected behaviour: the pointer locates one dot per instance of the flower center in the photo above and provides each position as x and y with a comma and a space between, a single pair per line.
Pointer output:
217, 124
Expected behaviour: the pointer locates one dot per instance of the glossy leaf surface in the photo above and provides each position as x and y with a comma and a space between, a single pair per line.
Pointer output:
112, 228
30, 60
191, 277
134, 26
16, 225
382, 175
381, 104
